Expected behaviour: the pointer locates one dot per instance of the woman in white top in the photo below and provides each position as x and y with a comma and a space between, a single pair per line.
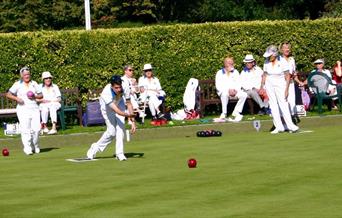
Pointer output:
151, 91
50, 103
286, 54
276, 80
26, 92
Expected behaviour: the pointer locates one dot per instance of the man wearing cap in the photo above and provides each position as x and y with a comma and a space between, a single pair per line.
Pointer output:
251, 77
151, 91
50, 103
112, 101
228, 85
319, 65
26, 92
276, 81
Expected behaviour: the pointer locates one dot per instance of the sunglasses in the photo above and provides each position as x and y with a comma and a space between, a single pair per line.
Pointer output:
130, 70
48, 78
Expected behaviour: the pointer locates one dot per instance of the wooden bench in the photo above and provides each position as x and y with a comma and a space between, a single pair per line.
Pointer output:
7, 107
70, 103
208, 96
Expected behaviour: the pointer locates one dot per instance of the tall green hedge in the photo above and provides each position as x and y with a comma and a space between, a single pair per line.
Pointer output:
86, 59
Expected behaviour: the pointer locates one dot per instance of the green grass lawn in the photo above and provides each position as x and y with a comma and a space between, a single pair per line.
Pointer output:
244, 173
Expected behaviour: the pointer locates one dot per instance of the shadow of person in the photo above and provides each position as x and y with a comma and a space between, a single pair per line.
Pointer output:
47, 149
128, 155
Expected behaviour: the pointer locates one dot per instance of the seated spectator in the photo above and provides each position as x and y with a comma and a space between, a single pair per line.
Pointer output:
151, 91
129, 84
50, 103
227, 82
251, 77
337, 73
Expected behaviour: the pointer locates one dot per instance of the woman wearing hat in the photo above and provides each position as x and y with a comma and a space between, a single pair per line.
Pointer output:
150, 90
50, 103
26, 92
276, 80
251, 77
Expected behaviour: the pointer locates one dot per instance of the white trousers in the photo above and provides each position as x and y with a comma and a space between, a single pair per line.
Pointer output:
241, 95
292, 99
29, 121
153, 102
115, 128
51, 107
256, 97
276, 94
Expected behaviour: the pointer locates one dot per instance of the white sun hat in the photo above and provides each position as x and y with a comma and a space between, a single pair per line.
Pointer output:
319, 61
46, 74
249, 58
147, 67
271, 50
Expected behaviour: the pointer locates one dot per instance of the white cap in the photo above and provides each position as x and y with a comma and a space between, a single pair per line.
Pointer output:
319, 61
271, 50
46, 74
147, 67
249, 58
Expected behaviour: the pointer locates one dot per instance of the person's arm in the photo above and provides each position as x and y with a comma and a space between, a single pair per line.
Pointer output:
338, 69
130, 111
287, 78
14, 98
117, 110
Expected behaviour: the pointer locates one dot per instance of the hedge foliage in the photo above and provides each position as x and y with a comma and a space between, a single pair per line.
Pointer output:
86, 59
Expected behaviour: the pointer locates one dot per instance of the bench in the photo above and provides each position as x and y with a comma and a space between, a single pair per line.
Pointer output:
7, 107
70, 103
208, 96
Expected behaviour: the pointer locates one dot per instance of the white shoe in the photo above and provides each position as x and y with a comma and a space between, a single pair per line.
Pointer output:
28, 151
45, 130
92, 152
294, 130
52, 132
238, 118
276, 131
37, 150
121, 157
223, 116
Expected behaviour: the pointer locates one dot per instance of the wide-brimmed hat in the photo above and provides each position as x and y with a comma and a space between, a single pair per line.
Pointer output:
249, 58
46, 74
271, 50
147, 67
319, 61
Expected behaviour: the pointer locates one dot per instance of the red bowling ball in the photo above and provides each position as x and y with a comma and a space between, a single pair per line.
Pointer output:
5, 152
192, 163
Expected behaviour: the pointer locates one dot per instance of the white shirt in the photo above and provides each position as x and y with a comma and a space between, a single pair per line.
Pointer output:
108, 96
276, 73
292, 64
20, 89
127, 84
51, 93
227, 80
152, 83
251, 78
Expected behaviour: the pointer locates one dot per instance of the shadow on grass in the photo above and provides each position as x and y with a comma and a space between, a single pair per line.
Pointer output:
128, 155
47, 149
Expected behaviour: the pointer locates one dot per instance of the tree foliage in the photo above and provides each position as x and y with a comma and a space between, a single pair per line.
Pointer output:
30, 15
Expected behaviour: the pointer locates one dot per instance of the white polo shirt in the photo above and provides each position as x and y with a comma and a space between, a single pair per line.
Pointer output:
20, 90
251, 78
108, 96
276, 73
152, 83
227, 80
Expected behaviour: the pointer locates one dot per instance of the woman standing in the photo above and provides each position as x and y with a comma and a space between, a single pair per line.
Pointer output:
26, 92
50, 103
276, 80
